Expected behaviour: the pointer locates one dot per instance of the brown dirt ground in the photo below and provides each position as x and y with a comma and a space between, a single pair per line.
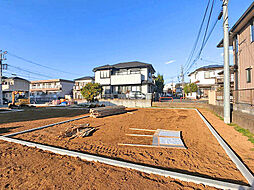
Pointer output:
238, 142
29, 168
35, 117
204, 156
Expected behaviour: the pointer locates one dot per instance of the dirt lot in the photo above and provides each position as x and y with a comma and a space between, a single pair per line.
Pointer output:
35, 117
28, 168
204, 156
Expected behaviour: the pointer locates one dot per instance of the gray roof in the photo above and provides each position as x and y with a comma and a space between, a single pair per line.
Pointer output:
15, 78
85, 78
208, 67
125, 65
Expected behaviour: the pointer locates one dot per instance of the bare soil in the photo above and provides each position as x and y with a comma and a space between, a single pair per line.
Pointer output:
29, 168
204, 156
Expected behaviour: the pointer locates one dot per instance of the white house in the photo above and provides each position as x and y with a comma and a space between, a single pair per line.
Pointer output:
10, 84
205, 78
48, 90
79, 84
122, 78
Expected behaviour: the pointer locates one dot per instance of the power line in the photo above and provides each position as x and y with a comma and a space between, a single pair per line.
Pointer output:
196, 41
21, 75
205, 40
31, 72
38, 64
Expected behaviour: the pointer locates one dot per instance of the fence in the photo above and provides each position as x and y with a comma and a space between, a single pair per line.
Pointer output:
241, 96
244, 96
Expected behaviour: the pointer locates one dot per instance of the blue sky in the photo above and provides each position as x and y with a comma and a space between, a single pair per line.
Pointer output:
76, 36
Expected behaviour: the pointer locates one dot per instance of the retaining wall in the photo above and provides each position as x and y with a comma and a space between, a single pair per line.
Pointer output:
127, 103
244, 120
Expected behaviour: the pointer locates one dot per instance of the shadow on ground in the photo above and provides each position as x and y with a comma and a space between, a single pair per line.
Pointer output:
40, 113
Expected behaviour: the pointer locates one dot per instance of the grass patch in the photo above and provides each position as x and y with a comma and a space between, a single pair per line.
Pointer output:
245, 132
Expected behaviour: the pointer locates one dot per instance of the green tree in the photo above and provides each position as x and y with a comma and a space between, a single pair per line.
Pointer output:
159, 82
90, 91
188, 88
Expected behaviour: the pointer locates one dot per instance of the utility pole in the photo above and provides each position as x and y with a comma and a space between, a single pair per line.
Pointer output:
182, 75
1, 92
1, 69
226, 63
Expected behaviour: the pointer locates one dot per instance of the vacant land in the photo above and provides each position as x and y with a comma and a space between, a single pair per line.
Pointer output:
204, 156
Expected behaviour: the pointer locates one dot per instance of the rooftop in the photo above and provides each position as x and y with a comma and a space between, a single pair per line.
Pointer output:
208, 67
124, 65
85, 78
52, 80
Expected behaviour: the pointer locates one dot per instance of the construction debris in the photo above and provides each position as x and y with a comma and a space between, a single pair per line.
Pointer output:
82, 130
106, 111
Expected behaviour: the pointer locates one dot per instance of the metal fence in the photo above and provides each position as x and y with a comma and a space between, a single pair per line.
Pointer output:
244, 96
241, 96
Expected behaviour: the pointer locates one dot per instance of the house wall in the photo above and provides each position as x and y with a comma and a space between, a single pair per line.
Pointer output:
245, 58
200, 76
102, 81
15, 85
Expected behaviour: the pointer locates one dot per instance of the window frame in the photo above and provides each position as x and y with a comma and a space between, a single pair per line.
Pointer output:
248, 75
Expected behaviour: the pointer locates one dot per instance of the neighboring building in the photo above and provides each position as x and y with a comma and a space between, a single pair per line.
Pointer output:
205, 78
169, 88
241, 37
48, 90
10, 84
79, 84
121, 78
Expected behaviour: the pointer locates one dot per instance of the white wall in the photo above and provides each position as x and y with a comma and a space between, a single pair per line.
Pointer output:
200, 76
102, 81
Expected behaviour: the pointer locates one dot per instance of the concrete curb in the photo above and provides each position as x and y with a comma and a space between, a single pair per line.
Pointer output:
243, 169
149, 170
45, 126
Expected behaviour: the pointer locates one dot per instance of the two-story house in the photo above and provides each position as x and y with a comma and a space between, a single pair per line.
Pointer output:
48, 90
205, 78
79, 84
10, 84
241, 37
125, 77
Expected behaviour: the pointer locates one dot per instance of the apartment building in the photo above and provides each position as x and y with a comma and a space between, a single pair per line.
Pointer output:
10, 84
48, 90
121, 78
79, 83
241, 38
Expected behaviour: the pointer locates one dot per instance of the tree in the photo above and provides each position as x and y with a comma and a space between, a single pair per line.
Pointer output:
189, 88
90, 91
159, 82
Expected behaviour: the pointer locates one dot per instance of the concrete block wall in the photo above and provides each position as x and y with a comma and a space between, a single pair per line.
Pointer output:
128, 103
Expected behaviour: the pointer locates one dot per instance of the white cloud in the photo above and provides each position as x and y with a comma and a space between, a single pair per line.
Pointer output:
169, 62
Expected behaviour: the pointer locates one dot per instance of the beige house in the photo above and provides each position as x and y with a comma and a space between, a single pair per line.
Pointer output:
79, 84
242, 40
10, 84
48, 90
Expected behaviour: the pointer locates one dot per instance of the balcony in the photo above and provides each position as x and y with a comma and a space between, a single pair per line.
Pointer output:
46, 88
126, 79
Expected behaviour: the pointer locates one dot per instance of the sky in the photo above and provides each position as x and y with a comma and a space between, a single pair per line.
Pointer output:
76, 36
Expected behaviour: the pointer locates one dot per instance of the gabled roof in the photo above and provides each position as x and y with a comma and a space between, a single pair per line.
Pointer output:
242, 21
125, 65
85, 78
208, 67
15, 78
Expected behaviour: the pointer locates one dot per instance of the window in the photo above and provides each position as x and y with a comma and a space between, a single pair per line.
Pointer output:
135, 71
252, 31
248, 74
104, 74
207, 75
